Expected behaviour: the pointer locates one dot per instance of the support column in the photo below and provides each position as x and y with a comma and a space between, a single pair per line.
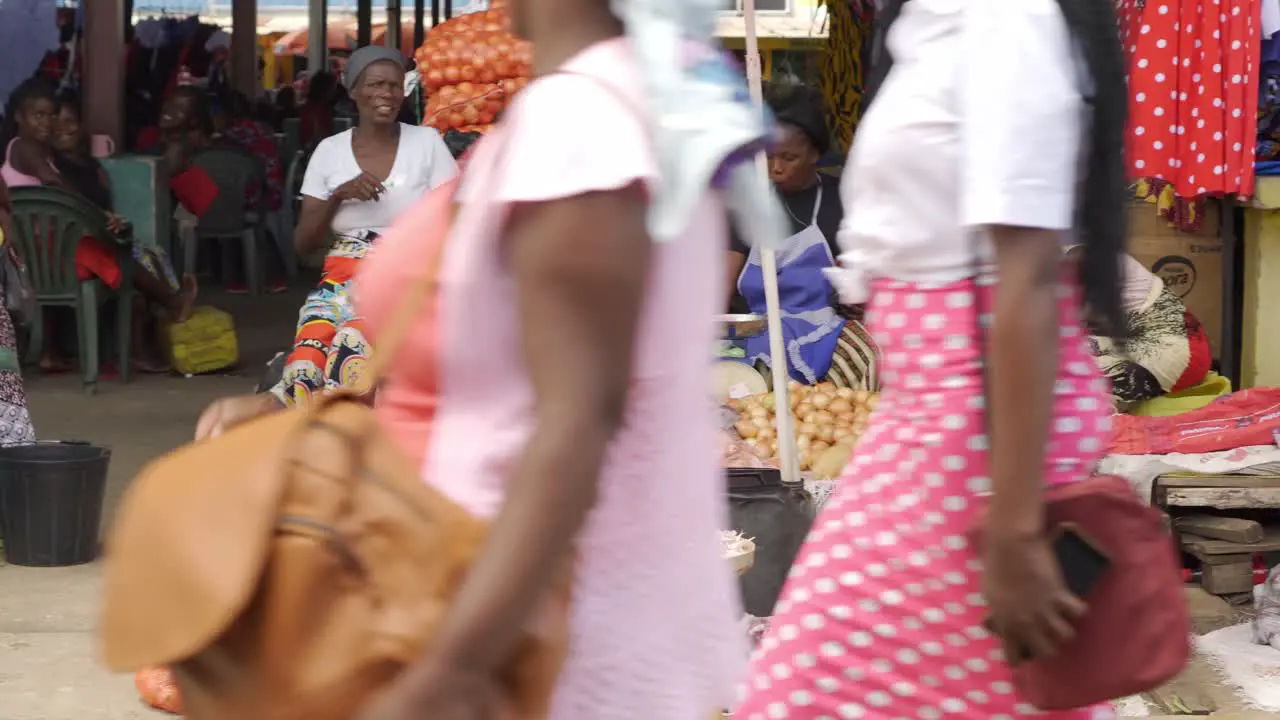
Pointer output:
392, 37
317, 36
364, 22
419, 22
104, 69
244, 47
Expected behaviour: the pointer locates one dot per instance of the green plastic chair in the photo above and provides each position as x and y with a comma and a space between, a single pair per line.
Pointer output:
292, 142
49, 224
234, 170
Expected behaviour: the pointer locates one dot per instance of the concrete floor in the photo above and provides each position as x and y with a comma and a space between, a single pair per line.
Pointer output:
49, 666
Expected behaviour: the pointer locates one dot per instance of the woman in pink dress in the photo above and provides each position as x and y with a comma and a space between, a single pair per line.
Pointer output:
969, 158
573, 356
573, 407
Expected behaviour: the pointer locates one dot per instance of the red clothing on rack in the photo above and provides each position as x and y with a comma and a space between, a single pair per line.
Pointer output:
1193, 92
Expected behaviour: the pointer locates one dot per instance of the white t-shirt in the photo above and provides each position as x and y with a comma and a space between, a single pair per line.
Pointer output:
422, 163
978, 124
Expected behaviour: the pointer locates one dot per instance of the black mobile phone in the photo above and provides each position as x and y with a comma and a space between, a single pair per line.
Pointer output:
1081, 562
1082, 565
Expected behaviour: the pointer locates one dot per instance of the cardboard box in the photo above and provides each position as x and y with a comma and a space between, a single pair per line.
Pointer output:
1189, 263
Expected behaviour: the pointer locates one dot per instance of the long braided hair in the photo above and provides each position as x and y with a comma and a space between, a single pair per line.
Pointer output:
1101, 216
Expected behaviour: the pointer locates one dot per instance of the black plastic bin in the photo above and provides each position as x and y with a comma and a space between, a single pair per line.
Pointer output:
51, 502
777, 515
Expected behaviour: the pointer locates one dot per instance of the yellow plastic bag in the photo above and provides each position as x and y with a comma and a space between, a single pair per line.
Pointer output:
205, 342
1211, 388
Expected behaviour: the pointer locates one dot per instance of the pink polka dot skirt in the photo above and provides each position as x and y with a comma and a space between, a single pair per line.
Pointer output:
882, 614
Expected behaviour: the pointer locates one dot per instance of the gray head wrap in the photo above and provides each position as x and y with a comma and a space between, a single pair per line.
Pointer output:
366, 56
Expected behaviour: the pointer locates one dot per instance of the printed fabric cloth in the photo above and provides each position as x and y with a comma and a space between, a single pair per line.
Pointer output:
882, 615
1193, 93
1167, 351
15, 421
330, 350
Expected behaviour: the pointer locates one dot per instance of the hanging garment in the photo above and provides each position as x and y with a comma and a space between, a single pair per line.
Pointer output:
1193, 84
28, 30
810, 327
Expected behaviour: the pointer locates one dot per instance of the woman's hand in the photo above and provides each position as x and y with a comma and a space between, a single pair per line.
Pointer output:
1032, 610
115, 224
227, 412
361, 188
439, 694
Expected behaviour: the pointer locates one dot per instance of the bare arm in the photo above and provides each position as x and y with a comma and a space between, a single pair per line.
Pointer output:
733, 268
581, 268
1023, 359
314, 219
28, 160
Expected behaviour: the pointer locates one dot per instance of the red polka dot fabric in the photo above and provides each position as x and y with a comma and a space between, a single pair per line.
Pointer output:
1193, 87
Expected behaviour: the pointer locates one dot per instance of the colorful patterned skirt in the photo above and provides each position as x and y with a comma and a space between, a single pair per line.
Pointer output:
330, 350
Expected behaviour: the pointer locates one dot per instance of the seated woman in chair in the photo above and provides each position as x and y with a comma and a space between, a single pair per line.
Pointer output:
356, 185
29, 135
84, 174
188, 125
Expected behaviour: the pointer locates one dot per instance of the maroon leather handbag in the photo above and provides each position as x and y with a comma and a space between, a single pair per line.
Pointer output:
1135, 635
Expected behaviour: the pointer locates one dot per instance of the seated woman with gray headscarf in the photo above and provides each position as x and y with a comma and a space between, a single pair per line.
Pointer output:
356, 184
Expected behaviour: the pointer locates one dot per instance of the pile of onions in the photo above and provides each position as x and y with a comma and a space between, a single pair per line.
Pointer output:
825, 416
471, 66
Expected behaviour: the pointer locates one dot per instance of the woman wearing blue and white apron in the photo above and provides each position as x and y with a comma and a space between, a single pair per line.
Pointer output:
820, 341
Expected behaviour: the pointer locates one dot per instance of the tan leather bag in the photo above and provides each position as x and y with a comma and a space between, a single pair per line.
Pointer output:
291, 567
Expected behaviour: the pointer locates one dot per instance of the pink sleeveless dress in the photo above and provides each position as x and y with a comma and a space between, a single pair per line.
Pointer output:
654, 620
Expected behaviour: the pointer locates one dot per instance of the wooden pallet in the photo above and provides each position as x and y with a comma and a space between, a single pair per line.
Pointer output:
1202, 505
1227, 567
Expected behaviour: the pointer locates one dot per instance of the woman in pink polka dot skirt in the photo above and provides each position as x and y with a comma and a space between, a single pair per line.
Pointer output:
965, 170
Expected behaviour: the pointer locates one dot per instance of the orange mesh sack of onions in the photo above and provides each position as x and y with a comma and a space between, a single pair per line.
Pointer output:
469, 107
471, 67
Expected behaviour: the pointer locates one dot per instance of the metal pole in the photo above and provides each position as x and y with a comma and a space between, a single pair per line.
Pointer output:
448, 9
419, 22
392, 39
317, 36
435, 13
769, 269
364, 22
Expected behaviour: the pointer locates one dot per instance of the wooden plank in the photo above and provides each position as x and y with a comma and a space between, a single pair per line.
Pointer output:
1203, 547
1231, 529
1228, 578
1222, 498
1231, 481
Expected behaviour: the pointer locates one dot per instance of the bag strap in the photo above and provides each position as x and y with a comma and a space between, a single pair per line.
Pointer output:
414, 301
